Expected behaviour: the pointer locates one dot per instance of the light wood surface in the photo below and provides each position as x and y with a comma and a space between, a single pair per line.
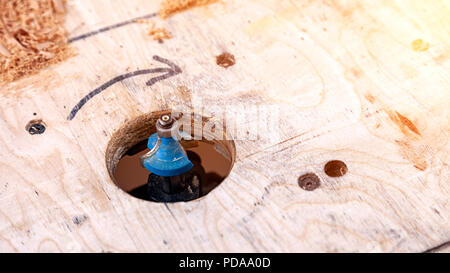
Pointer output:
365, 82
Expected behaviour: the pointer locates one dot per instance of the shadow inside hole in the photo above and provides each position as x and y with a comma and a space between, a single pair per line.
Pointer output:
131, 177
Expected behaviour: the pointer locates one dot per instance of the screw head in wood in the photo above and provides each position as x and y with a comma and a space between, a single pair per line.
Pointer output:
309, 181
335, 168
35, 127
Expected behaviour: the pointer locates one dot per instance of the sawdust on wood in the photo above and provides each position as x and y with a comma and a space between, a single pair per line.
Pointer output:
169, 7
157, 33
32, 36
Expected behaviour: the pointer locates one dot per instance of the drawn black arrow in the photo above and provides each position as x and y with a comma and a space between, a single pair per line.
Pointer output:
172, 70
111, 27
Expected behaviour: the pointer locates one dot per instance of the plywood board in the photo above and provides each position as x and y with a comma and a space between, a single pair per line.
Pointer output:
363, 82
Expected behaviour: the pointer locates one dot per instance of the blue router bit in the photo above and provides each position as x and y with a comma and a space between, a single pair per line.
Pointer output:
173, 176
166, 157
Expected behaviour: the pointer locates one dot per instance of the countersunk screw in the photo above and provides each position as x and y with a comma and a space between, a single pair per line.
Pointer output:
35, 127
309, 181
335, 168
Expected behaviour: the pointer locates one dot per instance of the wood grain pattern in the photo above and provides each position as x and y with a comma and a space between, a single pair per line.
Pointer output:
353, 84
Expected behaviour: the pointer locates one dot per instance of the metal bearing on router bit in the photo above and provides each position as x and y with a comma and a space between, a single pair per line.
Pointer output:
164, 126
